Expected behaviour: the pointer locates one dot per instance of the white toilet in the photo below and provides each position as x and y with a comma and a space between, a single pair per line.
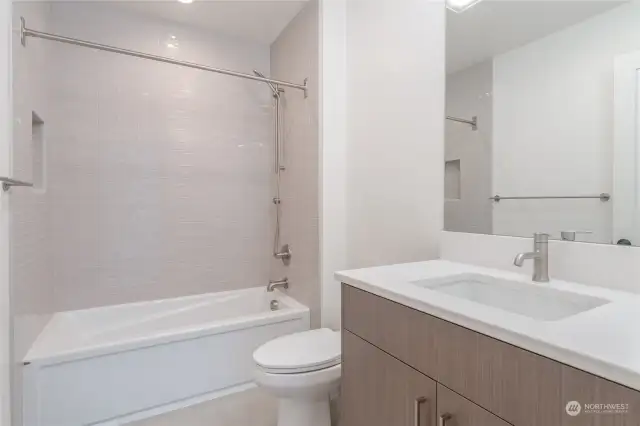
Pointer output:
301, 370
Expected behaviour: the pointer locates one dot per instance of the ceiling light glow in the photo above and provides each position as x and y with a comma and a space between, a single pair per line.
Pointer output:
460, 6
172, 42
186, 1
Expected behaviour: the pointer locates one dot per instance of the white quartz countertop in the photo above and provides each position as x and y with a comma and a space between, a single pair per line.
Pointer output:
604, 341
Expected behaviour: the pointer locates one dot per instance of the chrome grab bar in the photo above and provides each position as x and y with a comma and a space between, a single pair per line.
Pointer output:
7, 183
603, 197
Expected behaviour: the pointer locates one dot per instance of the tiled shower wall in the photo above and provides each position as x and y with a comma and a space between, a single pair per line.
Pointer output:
32, 292
161, 175
294, 57
30, 264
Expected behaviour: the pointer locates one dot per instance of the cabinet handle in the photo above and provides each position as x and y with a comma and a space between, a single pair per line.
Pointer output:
416, 409
443, 419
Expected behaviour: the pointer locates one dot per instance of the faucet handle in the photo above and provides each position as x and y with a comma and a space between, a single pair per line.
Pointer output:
540, 237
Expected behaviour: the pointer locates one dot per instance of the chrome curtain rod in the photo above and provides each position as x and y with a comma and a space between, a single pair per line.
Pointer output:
473, 122
26, 32
602, 197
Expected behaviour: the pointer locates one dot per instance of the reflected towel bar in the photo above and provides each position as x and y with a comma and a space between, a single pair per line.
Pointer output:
602, 197
7, 183
473, 122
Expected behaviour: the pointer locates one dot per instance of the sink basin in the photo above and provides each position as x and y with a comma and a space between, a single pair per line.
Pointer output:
533, 301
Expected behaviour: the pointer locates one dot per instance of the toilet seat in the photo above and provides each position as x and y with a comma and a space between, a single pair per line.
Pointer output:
303, 352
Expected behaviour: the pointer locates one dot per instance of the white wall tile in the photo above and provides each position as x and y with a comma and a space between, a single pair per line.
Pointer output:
159, 175
30, 260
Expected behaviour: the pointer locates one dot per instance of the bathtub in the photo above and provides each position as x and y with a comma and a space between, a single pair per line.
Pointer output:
116, 364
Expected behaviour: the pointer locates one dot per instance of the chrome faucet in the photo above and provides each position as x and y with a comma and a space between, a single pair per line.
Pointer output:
273, 284
540, 256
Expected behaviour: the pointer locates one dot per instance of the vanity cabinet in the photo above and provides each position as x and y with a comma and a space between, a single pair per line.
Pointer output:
379, 390
479, 379
454, 410
383, 391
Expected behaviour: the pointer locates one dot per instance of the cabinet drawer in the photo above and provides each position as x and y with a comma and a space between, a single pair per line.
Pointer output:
379, 390
454, 410
519, 386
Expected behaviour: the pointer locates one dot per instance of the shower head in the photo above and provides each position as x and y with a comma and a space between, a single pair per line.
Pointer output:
274, 89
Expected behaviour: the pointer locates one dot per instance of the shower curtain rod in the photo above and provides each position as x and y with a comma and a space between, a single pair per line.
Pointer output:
26, 32
473, 122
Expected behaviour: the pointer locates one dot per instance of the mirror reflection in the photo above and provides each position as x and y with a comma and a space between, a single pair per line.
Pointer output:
542, 119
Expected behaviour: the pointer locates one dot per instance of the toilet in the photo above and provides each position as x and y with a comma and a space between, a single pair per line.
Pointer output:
301, 370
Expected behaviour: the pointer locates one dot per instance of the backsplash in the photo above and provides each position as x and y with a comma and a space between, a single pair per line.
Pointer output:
602, 265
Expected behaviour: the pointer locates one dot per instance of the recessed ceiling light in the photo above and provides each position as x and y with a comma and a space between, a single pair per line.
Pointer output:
172, 42
460, 6
186, 1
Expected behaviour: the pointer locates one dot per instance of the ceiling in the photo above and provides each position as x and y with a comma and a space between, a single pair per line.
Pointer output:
259, 21
492, 27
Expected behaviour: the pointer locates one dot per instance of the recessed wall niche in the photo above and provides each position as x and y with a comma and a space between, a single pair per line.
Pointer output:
452, 180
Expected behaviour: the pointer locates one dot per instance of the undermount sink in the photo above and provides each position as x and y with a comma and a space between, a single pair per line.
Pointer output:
533, 301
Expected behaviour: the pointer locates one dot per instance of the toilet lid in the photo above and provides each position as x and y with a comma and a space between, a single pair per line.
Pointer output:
300, 352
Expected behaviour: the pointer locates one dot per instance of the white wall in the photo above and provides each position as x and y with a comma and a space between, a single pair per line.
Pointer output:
161, 175
294, 57
382, 171
5, 170
553, 126
395, 101
469, 93
333, 158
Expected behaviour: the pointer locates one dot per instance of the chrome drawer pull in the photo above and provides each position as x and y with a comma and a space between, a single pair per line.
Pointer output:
416, 409
443, 419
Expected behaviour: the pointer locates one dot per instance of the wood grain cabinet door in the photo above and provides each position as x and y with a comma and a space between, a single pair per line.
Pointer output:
379, 390
454, 410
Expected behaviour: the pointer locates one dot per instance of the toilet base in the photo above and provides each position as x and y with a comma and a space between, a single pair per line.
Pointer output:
301, 412
303, 398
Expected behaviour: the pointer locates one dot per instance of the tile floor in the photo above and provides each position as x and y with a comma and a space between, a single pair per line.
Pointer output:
253, 407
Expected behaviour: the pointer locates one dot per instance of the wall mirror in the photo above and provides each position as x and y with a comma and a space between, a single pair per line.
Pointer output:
543, 117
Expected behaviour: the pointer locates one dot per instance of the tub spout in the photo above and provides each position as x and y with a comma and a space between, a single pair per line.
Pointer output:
273, 284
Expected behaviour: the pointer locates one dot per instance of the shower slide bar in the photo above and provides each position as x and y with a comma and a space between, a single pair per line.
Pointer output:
7, 183
473, 122
26, 32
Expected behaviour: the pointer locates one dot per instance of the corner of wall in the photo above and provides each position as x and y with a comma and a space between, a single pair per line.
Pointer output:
332, 158
295, 57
